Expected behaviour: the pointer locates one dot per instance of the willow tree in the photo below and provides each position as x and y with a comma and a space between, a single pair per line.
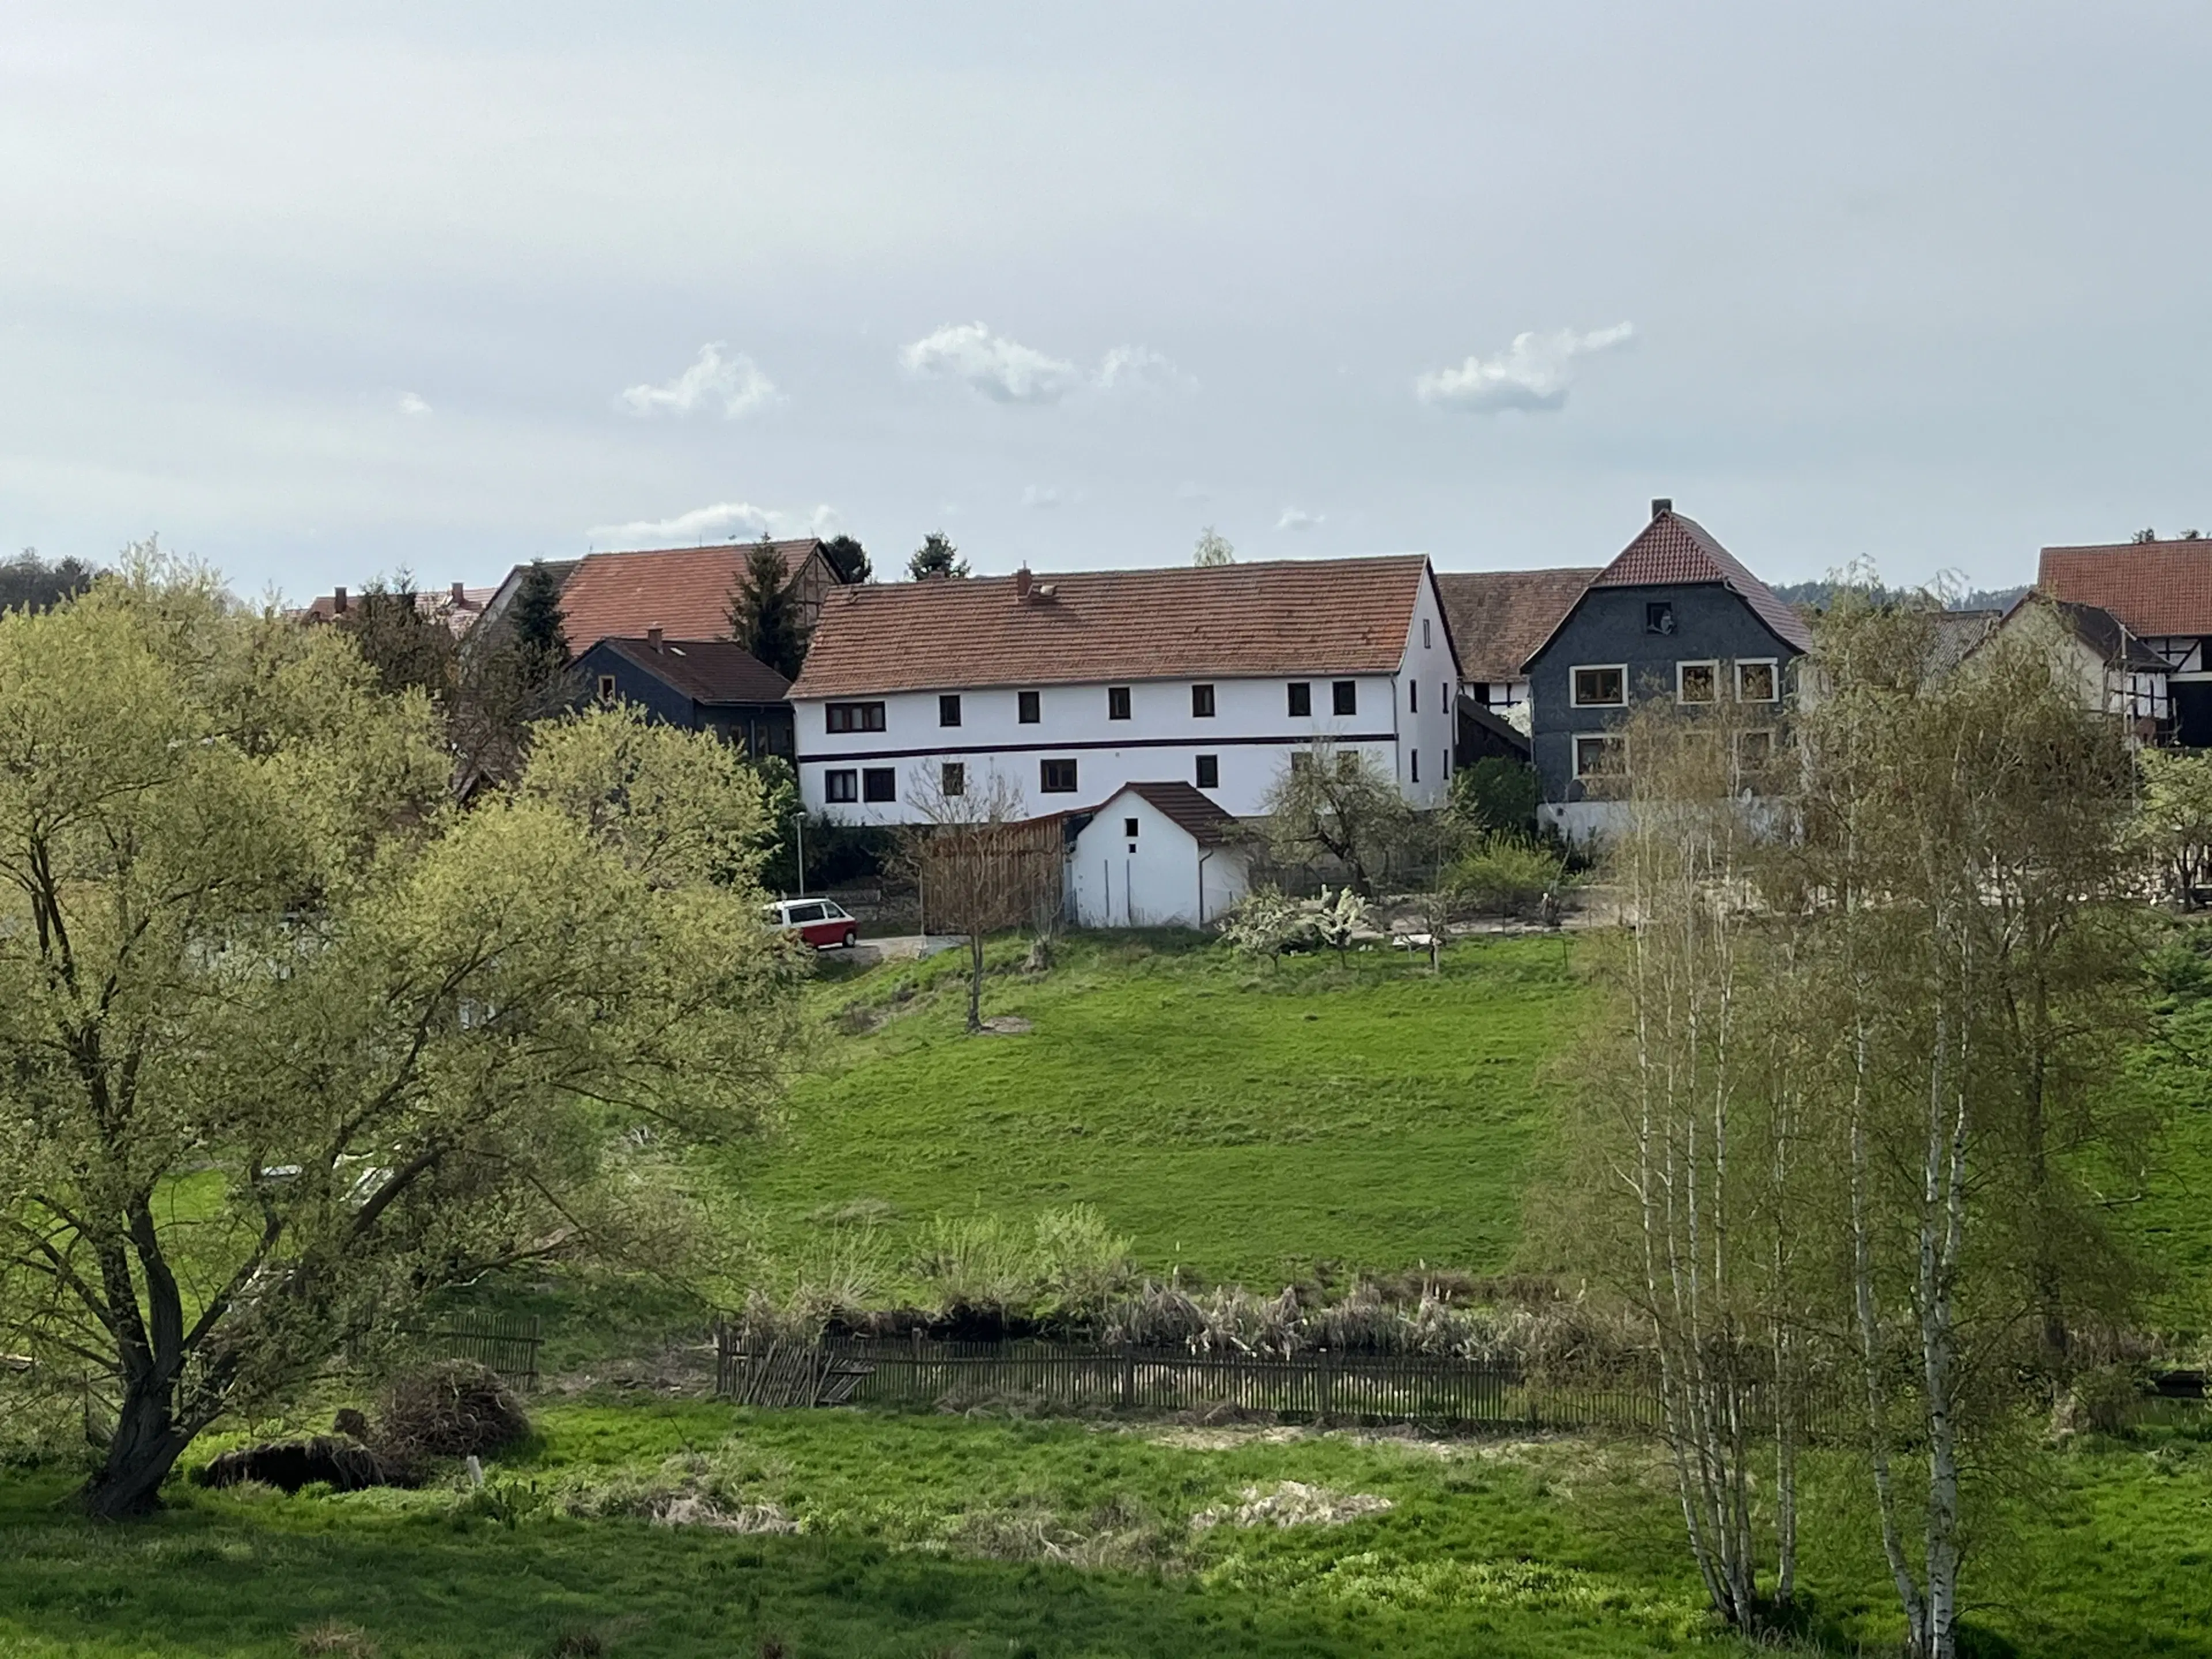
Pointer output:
287, 1044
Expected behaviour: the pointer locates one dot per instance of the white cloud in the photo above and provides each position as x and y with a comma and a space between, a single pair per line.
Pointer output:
1043, 495
1135, 367
1534, 373
737, 381
725, 521
1003, 370
1297, 518
412, 405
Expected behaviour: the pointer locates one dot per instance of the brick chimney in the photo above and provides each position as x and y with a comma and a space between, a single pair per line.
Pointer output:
337, 602
1662, 505
653, 638
1022, 585
459, 593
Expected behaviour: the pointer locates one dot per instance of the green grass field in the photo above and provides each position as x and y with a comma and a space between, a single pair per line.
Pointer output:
1237, 1121
941, 1536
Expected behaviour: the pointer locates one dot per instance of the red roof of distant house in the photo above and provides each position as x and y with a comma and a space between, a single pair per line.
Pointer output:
1199, 816
1498, 617
456, 607
685, 592
713, 672
1290, 616
2154, 589
1676, 551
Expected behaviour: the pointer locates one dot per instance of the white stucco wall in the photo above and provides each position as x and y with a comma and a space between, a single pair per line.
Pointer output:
1160, 877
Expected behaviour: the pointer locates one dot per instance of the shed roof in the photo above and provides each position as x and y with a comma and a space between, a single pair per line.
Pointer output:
712, 671
1498, 617
1290, 616
2152, 588
1198, 815
683, 591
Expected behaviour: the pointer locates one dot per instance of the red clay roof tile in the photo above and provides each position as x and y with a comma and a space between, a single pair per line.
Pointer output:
685, 592
1499, 617
2154, 589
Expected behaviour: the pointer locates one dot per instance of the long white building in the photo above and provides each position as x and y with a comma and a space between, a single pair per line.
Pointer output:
1069, 687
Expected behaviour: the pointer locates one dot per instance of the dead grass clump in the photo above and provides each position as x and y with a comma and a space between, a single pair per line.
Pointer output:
455, 1409
1291, 1504
1120, 1534
335, 1639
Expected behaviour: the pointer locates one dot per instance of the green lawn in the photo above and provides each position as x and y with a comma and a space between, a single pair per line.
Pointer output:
936, 1536
1242, 1122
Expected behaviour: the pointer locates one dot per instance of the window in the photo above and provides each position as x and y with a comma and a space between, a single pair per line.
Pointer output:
1412, 696
1697, 682
1757, 682
842, 784
1600, 688
1025, 703
1443, 696
878, 783
808, 912
1414, 755
1057, 777
1659, 618
952, 779
1128, 828
948, 708
1603, 755
1209, 771
1117, 702
1426, 642
1301, 697
606, 687
1344, 697
1446, 773
856, 716
1753, 750
1347, 764
1201, 702
1301, 761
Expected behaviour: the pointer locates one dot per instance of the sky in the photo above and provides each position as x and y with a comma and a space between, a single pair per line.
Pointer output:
318, 293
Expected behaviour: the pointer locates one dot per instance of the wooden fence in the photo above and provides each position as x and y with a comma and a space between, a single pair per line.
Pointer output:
1335, 1387
506, 1343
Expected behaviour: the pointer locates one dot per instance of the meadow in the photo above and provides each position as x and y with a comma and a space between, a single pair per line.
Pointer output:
1237, 1121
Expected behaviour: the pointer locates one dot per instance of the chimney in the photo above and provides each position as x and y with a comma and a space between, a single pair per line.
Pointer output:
459, 591
1022, 584
1662, 505
337, 602
653, 638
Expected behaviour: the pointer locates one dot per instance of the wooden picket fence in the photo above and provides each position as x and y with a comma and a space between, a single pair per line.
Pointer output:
1338, 1388
506, 1344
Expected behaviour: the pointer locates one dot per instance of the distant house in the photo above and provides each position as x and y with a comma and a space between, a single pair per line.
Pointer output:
1498, 619
2160, 593
1675, 616
702, 685
1067, 688
457, 607
685, 592
2116, 672
1154, 855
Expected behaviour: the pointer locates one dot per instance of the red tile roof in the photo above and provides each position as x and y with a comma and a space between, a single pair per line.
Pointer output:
1291, 616
714, 671
1498, 617
683, 591
2154, 589
1197, 815
438, 604
1674, 551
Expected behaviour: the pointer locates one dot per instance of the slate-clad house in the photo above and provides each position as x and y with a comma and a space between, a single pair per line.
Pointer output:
702, 685
1675, 616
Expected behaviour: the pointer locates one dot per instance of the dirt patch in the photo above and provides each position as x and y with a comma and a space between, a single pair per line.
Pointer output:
1008, 1025
1292, 1504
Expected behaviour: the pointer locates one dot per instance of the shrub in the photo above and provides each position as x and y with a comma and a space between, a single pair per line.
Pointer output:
1263, 923
455, 1409
1081, 1265
1497, 796
1508, 877
975, 1264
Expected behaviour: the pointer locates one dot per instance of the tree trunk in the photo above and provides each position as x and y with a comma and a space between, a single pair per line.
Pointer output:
974, 981
145, 1447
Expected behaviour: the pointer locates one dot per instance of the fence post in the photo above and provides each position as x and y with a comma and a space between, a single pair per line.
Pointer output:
1128, 1375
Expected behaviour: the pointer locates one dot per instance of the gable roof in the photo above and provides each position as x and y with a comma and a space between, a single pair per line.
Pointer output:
2152, 588
1290, 617
456, 606
1676, 552
2111, 640
683, 591
712, 671
1182, 804
1498, 617
1954, 636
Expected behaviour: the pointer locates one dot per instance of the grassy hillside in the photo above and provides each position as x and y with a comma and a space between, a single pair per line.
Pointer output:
1242, 1121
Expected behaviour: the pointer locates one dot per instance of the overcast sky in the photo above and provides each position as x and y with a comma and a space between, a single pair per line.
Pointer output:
321, 291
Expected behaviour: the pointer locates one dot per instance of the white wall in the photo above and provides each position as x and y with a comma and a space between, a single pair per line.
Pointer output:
1161, 878
1251, 734
1426, 722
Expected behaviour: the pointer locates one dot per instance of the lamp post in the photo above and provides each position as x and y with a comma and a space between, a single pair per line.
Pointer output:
798, 825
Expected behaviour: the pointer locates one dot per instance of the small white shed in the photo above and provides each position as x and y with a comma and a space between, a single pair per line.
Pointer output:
1155, 856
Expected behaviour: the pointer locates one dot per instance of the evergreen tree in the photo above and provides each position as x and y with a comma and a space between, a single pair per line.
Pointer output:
848, 559
936, 556
762, 615
28, 582
539, 627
